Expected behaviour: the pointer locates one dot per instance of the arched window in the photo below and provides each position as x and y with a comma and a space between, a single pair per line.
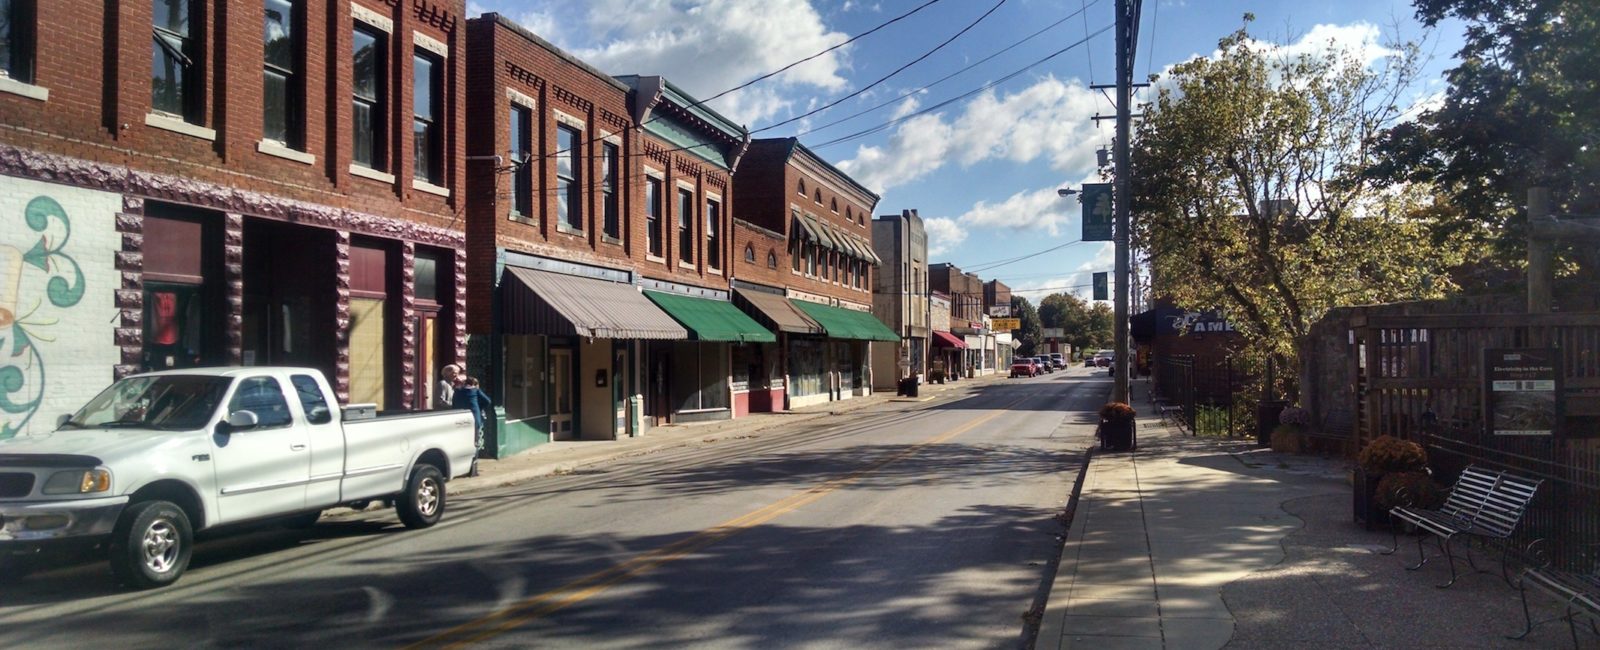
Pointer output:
833, 204
749, 253
802, 188
817, 196
772, 259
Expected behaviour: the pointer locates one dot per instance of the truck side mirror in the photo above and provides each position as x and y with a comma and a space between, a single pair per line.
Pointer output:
63, 419
238, 420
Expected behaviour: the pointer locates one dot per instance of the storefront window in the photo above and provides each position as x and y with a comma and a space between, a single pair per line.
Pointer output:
699, 376
525, 377
806, 367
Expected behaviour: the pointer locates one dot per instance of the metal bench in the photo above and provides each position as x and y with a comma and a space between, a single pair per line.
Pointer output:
1484, 504
1579, 593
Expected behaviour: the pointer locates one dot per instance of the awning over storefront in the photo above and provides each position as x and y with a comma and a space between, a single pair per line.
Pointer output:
847, 323
541, 302
948, 340
776, 312
712, 320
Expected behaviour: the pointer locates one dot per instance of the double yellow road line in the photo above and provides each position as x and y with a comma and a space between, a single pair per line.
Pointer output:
577, 591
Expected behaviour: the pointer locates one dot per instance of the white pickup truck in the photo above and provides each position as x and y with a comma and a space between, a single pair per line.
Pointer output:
157, 456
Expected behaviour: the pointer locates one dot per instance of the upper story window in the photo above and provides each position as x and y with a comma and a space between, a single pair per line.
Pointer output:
801, 187
610, 159
750, 253
175, 67
16, 40
685, 225
713, 234
569, 188
521, 150
368, 91
772, 259
816, 196
652, 215
797, 251
281, 78
833, 204
427, 135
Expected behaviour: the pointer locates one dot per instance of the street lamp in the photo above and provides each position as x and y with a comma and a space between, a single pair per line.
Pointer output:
1065, 192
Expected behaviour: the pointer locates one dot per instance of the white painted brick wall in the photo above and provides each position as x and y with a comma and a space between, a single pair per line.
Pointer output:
69, 350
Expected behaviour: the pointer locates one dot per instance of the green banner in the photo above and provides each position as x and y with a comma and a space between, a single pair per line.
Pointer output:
1097, 215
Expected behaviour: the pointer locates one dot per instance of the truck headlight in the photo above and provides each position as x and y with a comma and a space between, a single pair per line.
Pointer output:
76, 481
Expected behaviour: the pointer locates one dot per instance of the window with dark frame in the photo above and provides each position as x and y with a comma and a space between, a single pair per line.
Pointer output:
521, 151
16, 40
281, 89
610, 156
427, 136
772, 259
175, 64
368, 91
652, 215
685, 226
713, 234
796, 252
569, 186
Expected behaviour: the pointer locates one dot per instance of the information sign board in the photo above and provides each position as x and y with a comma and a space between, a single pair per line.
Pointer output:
1522, 391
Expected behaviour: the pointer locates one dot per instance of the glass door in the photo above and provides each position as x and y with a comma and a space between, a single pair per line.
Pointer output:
561, 394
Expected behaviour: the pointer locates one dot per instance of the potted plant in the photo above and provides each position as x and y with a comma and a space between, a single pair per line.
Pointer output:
1416, 489
1286, 437
1116, 430
1383, 456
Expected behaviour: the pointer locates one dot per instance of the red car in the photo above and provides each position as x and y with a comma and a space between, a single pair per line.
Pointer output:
1024, 367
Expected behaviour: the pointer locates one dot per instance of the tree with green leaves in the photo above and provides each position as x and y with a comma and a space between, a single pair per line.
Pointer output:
1027, 338
1249, 197
1087, 326
1522, 110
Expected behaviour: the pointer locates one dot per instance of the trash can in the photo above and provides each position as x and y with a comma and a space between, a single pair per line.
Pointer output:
908, 386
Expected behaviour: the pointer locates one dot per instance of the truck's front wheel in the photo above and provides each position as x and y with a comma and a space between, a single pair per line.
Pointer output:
151, 545
422, 504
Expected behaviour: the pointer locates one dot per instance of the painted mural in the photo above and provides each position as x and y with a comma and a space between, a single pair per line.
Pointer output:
51, 342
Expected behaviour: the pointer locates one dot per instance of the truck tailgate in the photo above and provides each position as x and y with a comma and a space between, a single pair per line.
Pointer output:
379, 451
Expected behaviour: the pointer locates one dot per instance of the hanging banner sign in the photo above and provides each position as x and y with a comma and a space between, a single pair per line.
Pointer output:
1006, 324
1522, 391
1097, 215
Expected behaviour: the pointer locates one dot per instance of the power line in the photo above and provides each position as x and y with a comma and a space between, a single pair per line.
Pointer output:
886, 77
987, 86
947, 77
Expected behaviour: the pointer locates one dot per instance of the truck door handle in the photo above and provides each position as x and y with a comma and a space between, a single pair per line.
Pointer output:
297, 447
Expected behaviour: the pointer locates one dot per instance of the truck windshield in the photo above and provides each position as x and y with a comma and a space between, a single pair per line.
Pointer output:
172, 402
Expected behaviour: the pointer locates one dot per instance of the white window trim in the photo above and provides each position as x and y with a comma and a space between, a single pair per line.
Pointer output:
424, 186
569, 120
655, 173
686, 185
14, 87
654, 258
275, 148
372, 18
368, 172
430, 44
713, 196
611, 137
521, 99
177, 125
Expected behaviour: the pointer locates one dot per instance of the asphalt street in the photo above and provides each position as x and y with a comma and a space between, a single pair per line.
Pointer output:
903, 525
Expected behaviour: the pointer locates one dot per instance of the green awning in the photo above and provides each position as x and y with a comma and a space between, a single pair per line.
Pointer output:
711, 320
847, 323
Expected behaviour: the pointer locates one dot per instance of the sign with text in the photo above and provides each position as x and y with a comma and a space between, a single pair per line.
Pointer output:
1006, 324
1100, 288
1053, 332
1000, 311
1097, 215
1522, 391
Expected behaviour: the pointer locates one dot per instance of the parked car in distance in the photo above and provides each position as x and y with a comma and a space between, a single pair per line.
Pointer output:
157, 456
1103, 358
1024, 367
1044, 364
1058, 360
1088, 362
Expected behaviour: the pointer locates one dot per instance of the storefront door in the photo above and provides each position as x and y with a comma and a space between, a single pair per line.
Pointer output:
426, 328
561, 394
619, 390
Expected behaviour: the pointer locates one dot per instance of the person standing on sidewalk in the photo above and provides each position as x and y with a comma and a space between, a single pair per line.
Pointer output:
468, 396
444, 393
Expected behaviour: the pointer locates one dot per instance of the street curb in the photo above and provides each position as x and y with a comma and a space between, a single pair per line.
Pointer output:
1032, 620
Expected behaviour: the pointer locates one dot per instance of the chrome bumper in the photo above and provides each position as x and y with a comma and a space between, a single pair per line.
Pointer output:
22, 521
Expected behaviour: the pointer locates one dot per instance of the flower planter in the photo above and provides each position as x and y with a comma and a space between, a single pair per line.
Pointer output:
1118, 435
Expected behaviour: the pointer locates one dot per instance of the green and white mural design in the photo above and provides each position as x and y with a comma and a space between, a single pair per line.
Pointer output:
38, 279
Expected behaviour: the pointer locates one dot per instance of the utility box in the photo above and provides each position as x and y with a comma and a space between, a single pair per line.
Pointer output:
635, 415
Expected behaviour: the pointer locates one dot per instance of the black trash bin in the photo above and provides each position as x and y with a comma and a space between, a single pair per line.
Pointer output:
908, 386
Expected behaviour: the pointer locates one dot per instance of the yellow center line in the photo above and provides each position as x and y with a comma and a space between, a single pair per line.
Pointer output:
534, 607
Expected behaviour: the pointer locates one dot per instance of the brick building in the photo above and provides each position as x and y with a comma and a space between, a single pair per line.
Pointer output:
804, 267
241, 189
967, 314
589, 189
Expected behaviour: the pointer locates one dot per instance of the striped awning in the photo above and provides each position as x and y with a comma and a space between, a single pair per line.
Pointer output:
541, 302
776, 312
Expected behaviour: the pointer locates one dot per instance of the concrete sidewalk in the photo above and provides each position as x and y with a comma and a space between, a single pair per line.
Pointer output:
564, 457
1201, 543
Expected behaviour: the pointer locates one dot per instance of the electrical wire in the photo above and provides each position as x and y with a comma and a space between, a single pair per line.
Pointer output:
952, 75
886, 77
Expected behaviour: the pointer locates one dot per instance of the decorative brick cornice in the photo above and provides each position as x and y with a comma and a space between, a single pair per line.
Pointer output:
52, 168
524, 76
433, 14
686, 166
656, 152
616, 121
572, 99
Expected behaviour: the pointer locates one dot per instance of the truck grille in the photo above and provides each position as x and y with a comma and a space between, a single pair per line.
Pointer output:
15, 484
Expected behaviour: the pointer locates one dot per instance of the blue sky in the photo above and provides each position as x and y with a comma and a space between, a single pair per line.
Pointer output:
982, 170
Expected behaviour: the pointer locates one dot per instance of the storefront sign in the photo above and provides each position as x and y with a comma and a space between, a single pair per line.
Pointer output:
1006, 324
1053, 332
1522, 391
1000, 311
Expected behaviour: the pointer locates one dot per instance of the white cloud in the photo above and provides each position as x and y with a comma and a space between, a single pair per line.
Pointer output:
1030, 210
707, 46
907, 106
1048, 120
944, 234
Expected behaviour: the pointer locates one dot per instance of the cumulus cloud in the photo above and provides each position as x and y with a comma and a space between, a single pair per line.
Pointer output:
944, 234
1048, 120
1030, 210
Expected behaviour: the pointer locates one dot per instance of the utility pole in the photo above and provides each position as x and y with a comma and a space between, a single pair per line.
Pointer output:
1127, 31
